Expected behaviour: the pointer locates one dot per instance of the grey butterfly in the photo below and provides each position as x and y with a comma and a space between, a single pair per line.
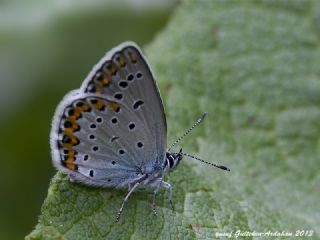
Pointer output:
112, 131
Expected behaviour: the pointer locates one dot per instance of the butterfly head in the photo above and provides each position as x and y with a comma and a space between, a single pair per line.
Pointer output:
173, 159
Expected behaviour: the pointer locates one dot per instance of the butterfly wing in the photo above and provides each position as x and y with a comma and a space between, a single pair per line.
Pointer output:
114, 126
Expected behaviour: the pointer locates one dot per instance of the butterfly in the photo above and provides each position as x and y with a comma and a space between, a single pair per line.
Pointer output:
112, 131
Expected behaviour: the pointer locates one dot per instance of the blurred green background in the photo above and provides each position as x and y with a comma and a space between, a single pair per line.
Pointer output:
46, 49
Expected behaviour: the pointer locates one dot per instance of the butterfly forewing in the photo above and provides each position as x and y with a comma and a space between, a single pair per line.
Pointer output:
125, 75
114, 126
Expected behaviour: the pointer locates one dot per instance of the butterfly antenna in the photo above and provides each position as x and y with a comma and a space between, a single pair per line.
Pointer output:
212, 164
188, 131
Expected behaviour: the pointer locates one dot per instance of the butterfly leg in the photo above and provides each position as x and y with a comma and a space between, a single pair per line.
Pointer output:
125, 199
169, 188
158, 185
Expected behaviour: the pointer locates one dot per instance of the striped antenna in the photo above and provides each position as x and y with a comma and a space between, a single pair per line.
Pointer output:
212, 164
188, 131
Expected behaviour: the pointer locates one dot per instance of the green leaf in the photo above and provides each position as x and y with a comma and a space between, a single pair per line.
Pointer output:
254, 66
